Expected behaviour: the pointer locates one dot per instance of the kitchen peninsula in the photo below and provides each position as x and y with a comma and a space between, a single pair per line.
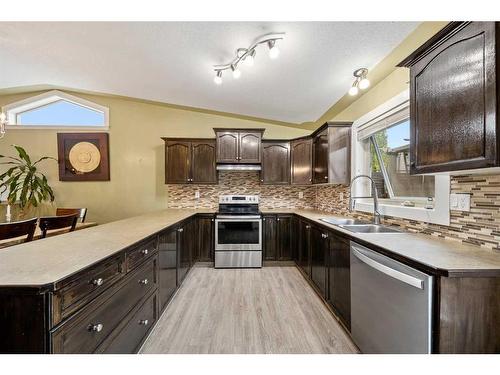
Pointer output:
102, 289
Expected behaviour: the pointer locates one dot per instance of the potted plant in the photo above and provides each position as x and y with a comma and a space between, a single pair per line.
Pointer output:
25, 184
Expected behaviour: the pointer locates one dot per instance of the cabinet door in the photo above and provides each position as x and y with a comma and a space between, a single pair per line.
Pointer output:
319, 246
227, 147
275, 163
303, 248
320, 149
167, 265
177, 162
250, 147
204, 250
270, 237
339, 278
182, 253
301, 166
203, 165
453, 103
284, 243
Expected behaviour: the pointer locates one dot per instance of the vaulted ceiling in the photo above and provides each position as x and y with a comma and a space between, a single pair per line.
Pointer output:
172, 62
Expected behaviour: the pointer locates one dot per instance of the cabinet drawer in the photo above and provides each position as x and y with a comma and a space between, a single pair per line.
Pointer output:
138, 323
137, 254
84, 332
84, 287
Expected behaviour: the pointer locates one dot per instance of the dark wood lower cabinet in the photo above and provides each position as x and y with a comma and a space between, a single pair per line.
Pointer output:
319, 253
303, 248
204, 251
167, 265
277, 237
339, 277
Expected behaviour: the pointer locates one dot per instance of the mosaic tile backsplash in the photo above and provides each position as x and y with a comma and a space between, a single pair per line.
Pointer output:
480, 226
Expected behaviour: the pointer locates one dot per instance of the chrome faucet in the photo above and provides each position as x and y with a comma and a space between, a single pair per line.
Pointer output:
352, 200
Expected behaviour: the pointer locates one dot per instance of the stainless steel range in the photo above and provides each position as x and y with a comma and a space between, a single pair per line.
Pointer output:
238, 232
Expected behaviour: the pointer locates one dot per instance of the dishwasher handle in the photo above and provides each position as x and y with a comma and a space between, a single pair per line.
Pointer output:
391, 272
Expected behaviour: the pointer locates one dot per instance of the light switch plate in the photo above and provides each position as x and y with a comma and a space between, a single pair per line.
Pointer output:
197, 194
460, 202
301, 195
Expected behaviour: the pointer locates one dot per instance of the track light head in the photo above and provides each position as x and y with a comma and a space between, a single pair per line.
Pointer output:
249, 58
236, 71
353, 90
360, 82
218, 77
274, 51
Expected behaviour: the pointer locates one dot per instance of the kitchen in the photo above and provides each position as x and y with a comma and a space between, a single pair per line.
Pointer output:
256, 225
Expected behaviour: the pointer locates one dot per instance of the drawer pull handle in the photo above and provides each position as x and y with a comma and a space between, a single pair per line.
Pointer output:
98, 282
145, 252
143, 322
144, 281
96, 327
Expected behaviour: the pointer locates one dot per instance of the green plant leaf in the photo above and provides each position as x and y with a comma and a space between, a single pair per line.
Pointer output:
23, 154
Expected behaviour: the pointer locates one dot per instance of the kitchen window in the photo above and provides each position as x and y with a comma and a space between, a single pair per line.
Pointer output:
381, 145
55, 110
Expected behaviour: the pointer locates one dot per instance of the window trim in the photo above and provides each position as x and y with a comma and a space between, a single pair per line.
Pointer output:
12, 110
360, 155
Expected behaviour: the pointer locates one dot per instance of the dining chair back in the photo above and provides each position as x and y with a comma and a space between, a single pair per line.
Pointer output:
18, 229
57, 222
82, 212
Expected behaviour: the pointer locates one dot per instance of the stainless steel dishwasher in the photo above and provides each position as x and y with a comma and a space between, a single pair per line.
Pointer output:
391, 304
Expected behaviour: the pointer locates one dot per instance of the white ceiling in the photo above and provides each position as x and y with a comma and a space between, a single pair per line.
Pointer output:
172, 61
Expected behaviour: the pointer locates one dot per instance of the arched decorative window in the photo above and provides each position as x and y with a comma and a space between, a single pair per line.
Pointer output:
56, 109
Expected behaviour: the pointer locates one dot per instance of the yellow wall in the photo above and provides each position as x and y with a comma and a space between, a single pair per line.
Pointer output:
136, 154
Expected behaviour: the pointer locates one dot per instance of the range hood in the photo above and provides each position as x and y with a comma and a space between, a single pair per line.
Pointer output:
238, 167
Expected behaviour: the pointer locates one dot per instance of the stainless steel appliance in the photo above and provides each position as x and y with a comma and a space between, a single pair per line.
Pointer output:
391, 304
238, 232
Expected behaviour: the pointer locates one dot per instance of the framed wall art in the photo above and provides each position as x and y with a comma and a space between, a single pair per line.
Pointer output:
83, 156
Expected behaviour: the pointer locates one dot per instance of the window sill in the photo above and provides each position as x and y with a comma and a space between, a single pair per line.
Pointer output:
435, 215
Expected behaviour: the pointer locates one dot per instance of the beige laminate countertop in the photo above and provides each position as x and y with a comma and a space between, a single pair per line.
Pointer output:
446, 257
49, 260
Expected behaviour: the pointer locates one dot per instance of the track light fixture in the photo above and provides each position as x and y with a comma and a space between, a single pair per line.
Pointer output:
247, 56
360, 82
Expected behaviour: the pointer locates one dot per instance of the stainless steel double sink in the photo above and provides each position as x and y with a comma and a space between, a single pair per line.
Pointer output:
359, 226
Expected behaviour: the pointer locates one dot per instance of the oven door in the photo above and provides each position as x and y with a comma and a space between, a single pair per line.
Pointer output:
238, 233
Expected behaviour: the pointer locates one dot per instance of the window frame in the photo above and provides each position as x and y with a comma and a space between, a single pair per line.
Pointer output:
12, 111
360, 155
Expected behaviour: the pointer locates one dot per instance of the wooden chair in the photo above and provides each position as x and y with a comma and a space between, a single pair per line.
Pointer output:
57, 222
82, 212
18, 229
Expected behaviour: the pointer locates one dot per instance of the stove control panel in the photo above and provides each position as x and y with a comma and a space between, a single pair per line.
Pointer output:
239, 199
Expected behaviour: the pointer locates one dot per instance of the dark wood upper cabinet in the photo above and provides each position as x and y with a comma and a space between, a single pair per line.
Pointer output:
453, 99
239, 146
320, 147
203, 166
301, 161
250, 147
275, 162
332, 153
177, 161
227, 146
190, 161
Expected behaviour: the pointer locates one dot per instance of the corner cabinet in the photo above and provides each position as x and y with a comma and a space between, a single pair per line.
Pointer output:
275, 163
236, 146
453, 99
190, 161
331, 150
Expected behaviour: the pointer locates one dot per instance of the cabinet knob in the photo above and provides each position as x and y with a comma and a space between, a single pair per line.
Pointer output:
278, 219
324, 235
96, 327
310, 180
98, 282
213, 220
143, 322
143, 281
326, 177
144, 251
180, 230
308, 227
261, 180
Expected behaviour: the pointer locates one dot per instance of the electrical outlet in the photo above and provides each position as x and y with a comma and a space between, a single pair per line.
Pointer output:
301, 195
341, 196
460, 202
197, 194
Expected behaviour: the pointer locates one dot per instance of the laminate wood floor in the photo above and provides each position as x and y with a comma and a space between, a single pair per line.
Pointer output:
267, 310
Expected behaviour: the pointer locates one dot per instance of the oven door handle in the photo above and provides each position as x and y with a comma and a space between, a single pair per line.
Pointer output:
237, 218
